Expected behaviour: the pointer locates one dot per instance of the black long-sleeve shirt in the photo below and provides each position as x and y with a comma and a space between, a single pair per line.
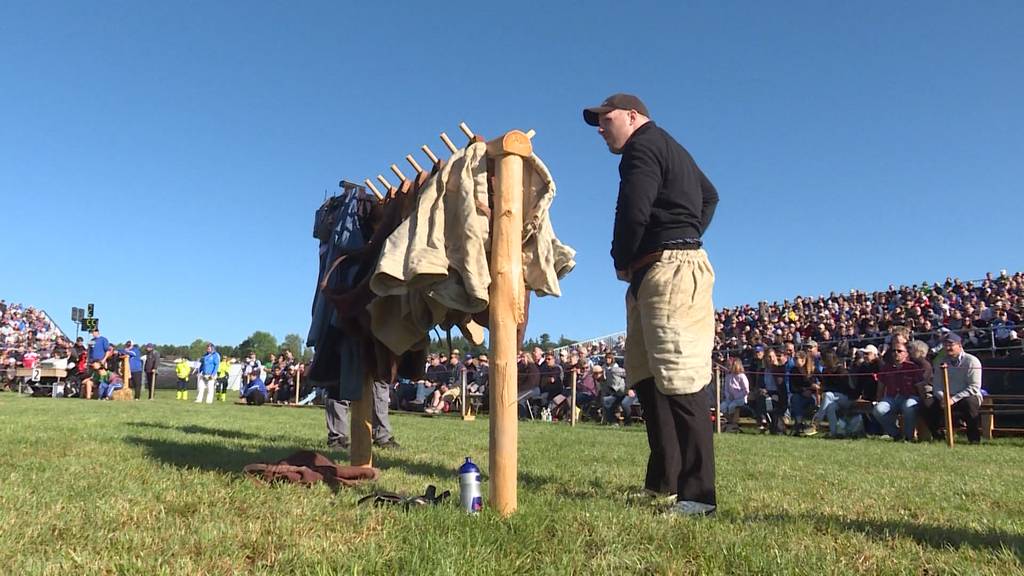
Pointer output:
663, 196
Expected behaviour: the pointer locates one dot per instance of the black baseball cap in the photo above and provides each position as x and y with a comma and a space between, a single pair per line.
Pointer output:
614, 102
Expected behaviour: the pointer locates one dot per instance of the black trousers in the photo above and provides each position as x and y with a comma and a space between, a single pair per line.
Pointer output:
966, 408
682, 459
137, 384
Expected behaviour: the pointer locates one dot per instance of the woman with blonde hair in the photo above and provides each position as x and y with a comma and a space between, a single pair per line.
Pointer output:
734, 394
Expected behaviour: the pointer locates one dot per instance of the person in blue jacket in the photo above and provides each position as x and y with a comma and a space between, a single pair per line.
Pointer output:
134, 354
207, 380
254, 392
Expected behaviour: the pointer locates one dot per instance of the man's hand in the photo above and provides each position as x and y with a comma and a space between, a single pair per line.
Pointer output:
622, 275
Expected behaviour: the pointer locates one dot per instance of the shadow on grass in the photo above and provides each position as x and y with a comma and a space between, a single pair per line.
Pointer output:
193, 429
216, 457
931, 535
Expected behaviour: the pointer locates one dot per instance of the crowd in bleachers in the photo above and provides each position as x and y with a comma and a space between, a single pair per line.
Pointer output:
984, 313
27, 334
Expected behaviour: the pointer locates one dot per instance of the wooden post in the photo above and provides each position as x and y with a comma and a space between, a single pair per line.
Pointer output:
467, 415
298, 381
506, 312
948, 407
718, 400
572, 399
152, 386
361, 427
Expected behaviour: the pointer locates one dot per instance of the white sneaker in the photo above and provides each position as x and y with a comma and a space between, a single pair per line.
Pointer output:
691, 508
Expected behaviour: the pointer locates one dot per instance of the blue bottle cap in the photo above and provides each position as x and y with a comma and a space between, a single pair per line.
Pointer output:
468, 467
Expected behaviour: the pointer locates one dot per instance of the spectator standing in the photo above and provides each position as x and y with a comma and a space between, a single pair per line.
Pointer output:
150, 367
223, 370
182, 369
206, 384
99, 347
134, 354
338, 420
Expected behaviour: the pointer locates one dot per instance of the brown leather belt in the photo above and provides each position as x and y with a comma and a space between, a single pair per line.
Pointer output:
648, 259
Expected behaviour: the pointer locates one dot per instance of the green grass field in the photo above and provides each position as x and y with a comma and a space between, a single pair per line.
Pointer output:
155, 487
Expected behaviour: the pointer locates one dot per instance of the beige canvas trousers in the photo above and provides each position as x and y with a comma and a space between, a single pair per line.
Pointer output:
670, 324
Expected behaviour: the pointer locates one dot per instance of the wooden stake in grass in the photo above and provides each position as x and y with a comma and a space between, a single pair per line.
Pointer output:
718, 400
572, 400
948, 406
506, 313
361, 427
126, 379
464, 393
298, 379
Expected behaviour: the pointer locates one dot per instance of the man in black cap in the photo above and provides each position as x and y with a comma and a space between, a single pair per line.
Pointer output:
665, 204
152, 363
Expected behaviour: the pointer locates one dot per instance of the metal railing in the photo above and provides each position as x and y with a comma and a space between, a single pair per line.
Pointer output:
991, 344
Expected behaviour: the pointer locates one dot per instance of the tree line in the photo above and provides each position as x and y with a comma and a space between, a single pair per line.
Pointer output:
264, 344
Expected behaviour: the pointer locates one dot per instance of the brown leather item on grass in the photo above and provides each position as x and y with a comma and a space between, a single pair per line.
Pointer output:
307, 468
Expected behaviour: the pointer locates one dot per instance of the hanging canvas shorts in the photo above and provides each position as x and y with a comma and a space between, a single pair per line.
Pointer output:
670, 323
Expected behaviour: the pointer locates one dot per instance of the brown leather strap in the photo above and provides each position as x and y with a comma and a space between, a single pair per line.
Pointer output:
644, 261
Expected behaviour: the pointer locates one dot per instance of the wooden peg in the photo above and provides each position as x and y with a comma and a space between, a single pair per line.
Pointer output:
430, 154
465, 130
369, 184
448, 142
415, 165
531, 133
401, 177
385, 182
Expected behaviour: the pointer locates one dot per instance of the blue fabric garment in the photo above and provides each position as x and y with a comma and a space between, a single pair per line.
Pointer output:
99, 348
255, 385
134, 358
209, 363
348, 235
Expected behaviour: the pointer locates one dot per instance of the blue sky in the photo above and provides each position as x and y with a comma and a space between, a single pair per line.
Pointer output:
163, 160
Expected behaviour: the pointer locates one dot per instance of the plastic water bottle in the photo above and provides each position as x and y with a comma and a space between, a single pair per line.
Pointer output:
469, 487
